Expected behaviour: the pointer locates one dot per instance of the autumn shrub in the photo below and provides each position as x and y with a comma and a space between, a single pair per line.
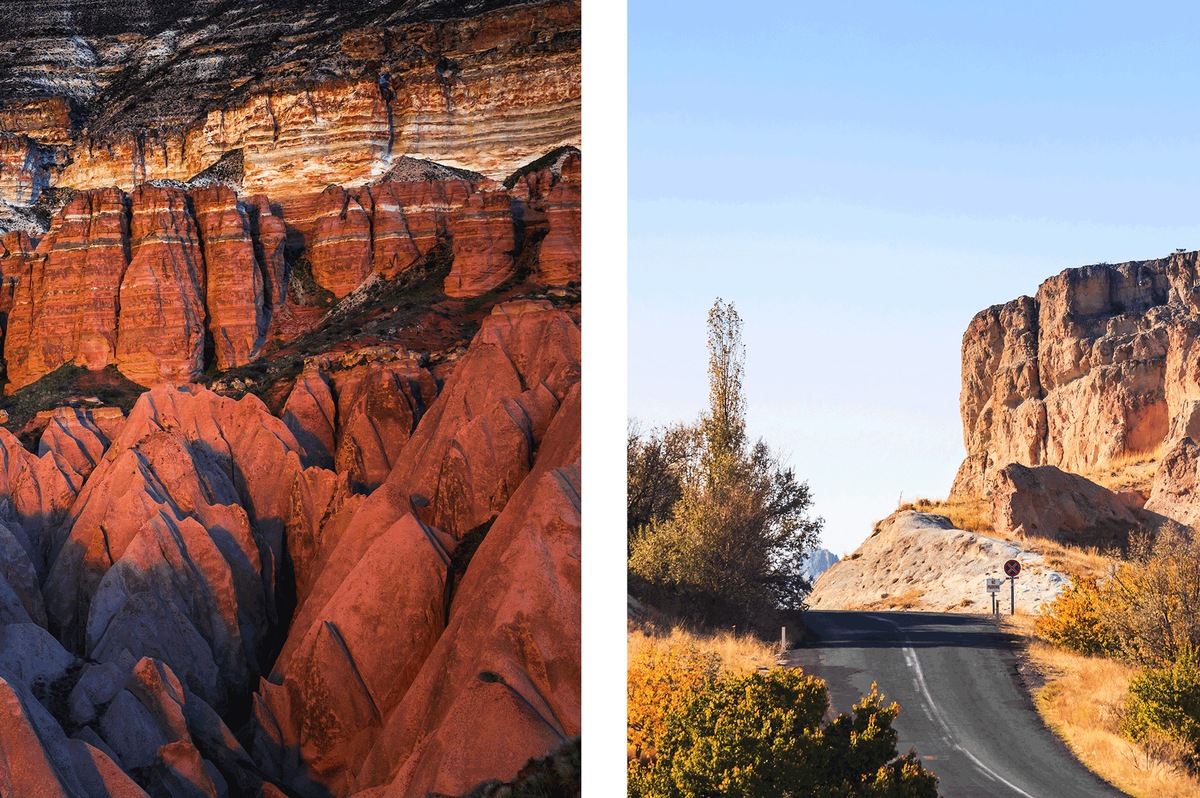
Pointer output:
660, 681
760, 735
1167, 700
1076, 619
1153, 601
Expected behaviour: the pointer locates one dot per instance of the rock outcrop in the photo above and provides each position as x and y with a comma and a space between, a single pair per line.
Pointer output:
1175, 492
477, 626
919, 561
1100, 364
1048, 503
310, 99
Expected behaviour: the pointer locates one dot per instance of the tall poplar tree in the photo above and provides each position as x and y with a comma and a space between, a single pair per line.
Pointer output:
735, 539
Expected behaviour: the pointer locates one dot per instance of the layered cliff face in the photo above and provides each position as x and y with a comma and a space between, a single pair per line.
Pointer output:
311, 93
1101, 363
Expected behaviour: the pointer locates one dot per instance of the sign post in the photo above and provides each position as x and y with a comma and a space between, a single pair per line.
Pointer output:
1012, 568
993, 588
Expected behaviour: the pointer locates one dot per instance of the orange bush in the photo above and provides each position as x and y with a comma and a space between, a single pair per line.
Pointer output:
662, 679
1076, 619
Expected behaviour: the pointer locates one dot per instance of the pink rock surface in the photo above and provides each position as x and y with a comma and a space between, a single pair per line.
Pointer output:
379, 405
361, 652
26, 768
161, 336
65, 309
340, 252
311, 415
75, 438
468, 728
234, 289
270, 237
483, 241
521, 344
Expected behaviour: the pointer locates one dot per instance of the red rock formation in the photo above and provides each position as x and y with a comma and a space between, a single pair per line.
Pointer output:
311, 415
75, 438
234, 291
340, 251
483, 241
486, 94
161, 337
409, 219
357, 659
500, 687
270, 237
66, 304
379, 405
183, 456
46, 119
552, 197
524, 343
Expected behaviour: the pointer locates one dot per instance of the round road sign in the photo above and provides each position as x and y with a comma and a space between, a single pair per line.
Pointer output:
1012, 567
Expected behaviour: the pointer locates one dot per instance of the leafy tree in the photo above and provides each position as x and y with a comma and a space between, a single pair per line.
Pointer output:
1167, 700
738, 533
1155, 606
655, 464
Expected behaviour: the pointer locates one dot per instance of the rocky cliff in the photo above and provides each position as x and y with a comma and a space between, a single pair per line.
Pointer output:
1100, 364
291, 491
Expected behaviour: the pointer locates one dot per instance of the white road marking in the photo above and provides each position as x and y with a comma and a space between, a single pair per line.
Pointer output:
910, 657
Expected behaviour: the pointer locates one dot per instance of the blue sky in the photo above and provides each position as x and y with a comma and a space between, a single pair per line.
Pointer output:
860, 179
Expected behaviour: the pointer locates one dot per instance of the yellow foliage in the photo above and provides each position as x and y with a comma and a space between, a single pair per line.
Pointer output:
661, 679
1075, 620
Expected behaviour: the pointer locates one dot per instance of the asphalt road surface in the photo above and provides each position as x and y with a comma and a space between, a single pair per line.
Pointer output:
962, 705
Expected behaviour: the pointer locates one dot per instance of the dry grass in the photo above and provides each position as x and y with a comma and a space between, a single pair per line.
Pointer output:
1133, 471
1085, 561
968, 514
904, 601
971, 515
739, 652
1082, 699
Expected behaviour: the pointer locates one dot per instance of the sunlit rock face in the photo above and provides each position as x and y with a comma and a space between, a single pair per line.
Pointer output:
1099, 364
413, 701
313, 94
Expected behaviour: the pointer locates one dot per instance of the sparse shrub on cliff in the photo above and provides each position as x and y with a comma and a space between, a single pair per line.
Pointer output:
760, 735
1076, 619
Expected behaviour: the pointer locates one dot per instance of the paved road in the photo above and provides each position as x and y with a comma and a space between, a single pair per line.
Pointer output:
962, 706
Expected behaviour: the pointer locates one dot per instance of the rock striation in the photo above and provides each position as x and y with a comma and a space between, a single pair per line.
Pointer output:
311, 98
1099, 364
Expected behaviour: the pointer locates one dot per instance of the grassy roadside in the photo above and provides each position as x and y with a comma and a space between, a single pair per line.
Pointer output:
1082, 699
739, 652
